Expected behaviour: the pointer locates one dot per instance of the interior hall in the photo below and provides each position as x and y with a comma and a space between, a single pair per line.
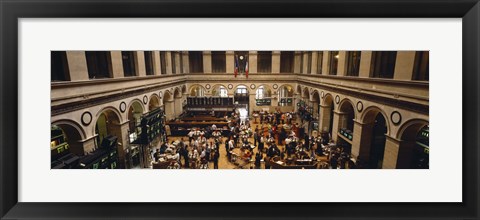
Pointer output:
239, 109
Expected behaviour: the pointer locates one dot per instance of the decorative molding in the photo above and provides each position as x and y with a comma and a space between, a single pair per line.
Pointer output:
123, 107
252, 86
207, 86
410, 106
86, 118
275, 86
359, 106
337, 99
145, 99
230, 86
396, 117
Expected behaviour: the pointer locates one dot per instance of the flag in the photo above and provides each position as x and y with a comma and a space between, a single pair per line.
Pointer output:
236, 67
246, 69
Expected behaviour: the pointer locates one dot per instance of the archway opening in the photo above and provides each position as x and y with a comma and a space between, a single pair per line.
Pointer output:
65, 140
378, 140
197, 91
107, 127
134, 115
168, 105
414, 148
242, 99
219, 91
285, 96
178, 108
154, 103
263, 96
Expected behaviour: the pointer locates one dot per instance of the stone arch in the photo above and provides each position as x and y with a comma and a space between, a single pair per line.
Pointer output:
410, 128
239, 85
315, 99
168, 104
74, 135
72, 124
411, 154
154, 102
112, 119
346, 115
136, 100
328, 100
196, 90
306, 93
109, 122
288, 90
177, 93
343, 105
110, 108
326, 113
373, 138
216, 89
268, 92
370, 113
299, 89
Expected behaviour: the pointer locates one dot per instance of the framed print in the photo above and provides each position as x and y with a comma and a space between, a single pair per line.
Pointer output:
193, 110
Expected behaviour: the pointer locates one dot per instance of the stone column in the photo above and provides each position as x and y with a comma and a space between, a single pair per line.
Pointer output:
252, 62
298, 62
337, 119
168, 62
305, 63
121, 131
404, 65
117, 64
365, 64
140, 63
169, 109
314, 62
157, 70
342, 63
296, 99
230, 59
186, 63
326, 62
77, 65
362, 138
390, 156
405, 152
88, 145
252, 104
325, 114
177, 63
275, 61
178, 106
207, 62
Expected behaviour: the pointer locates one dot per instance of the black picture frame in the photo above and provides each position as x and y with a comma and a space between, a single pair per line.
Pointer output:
11, 11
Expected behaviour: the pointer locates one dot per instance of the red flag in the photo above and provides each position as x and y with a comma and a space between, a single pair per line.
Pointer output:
236, 67
246, 70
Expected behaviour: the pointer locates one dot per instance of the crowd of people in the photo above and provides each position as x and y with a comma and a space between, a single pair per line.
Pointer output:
277, 136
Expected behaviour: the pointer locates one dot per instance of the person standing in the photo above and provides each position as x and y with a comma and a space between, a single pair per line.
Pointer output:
216, 155
258, 159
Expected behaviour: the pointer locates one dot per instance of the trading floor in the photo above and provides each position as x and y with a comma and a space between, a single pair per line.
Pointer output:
314, 109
